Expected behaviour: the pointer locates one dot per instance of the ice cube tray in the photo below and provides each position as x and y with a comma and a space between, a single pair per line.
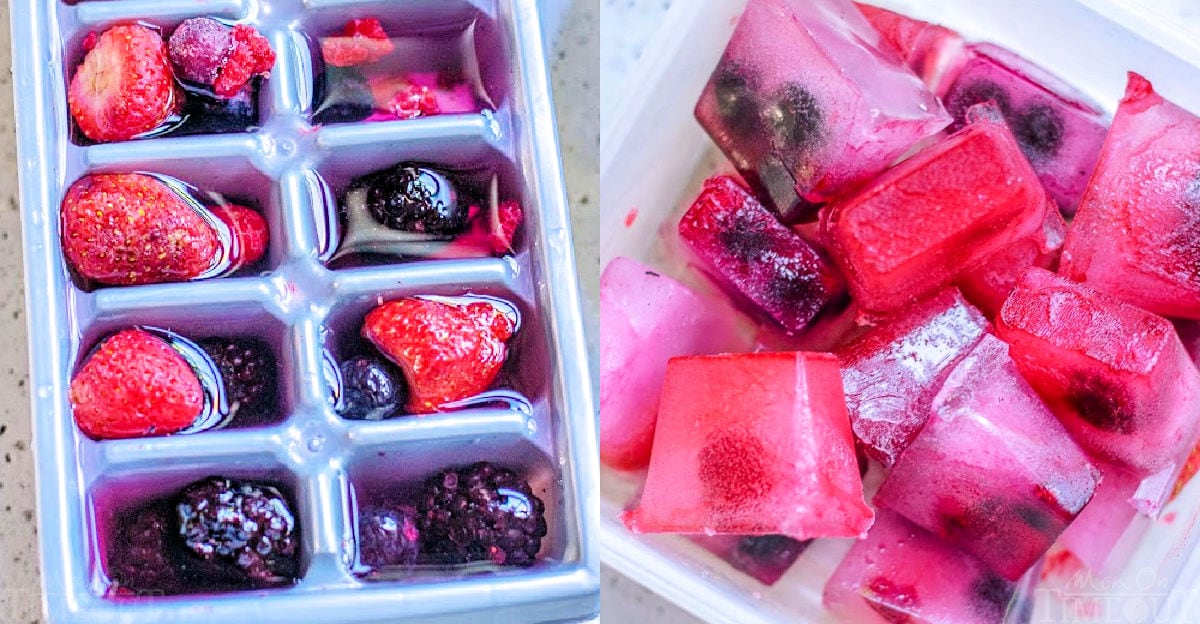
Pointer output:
1090, 43
300, 307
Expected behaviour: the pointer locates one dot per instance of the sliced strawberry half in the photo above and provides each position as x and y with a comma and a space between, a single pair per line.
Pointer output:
124, 87
362, 41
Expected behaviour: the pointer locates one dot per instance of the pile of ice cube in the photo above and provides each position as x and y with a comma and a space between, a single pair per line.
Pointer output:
1019, 380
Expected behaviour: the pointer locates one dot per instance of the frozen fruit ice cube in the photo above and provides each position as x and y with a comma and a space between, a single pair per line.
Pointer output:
990, 284
993, 472
755, 257
781, 463
1096, 530
891, 373
934, 216
902, 573
1057, 128
1137, 234
1117, 376
806, 101
646, 319
933, 52
766, 558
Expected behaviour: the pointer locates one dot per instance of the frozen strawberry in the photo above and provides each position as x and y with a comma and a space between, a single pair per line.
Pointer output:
448, 351
199, 48
249, 230
133, 229
251, 55
361, 41
124, 87
135, 384
492, 231
415, 102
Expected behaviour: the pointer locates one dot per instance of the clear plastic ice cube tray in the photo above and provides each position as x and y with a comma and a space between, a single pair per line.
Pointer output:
289, 169
1090, 43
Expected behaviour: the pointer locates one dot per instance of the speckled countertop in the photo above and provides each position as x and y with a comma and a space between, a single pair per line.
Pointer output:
573, 26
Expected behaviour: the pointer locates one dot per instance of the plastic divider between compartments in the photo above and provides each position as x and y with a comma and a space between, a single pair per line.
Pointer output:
103, 13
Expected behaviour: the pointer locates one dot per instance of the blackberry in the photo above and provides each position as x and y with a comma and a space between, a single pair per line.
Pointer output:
1039, 130
139, 561
794, 118
242, 527
248, 371
342, 95
978, 92
388, 536
736, 103
371, 389
480, 513
991, 595
766, 557
413, 198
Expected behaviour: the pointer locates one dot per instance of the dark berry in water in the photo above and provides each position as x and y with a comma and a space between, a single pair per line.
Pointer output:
342, 95
139, 560
481, 513
990, 596
766, 557
388, 536
794, 118
248, 371
736, 103
371, 389
1039, 130
413, 198
208, 114
963, 98
240, 526
1101, 403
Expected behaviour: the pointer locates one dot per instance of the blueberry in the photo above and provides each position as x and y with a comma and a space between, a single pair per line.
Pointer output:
342, 95
371, 389
248, 371
990, 595
766, 557
388, 536
794, 118
964, 97
480, 513
206, 113
243, 527
1101, 403
736, 102
1039, 130
413, 198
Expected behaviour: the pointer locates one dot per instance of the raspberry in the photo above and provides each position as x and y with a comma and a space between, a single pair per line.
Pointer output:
250, 56
415, 102
199, 48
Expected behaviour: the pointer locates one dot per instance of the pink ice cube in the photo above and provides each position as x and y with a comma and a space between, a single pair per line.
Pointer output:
1057, 129
989, 285
762, 263
1137, 234
902, 573
891, 373
1096, 530
753, 444
993, 472
646, 319
806, 101
1117, 376
765, 558
933, 52
935, 216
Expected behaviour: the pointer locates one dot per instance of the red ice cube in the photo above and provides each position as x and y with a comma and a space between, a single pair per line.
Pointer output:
753, 444
1117, 376
755, 257
1137, 233
935, 216
933, 52
891, 373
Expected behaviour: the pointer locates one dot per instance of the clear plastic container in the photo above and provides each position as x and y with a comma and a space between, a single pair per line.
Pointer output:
299, 306
654, 155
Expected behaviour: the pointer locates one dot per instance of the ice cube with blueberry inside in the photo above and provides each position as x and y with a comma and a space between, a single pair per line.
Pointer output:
806, 101
903, 573
753, 444
1115, 375
1137, 232
891, 374
988, 285
765, 558
759, 261
1059, 131
993, 472
647, 318
934, 216
933, 52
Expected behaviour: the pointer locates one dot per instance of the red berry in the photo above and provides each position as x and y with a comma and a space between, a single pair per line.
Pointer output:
249, 231
89, 41
133, 229
124, 87
362, 41
250, 56
199, 48
415, 102
135, 384
504, 227
448, 352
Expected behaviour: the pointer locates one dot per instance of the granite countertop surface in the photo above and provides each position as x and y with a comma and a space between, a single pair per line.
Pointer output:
572, 30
